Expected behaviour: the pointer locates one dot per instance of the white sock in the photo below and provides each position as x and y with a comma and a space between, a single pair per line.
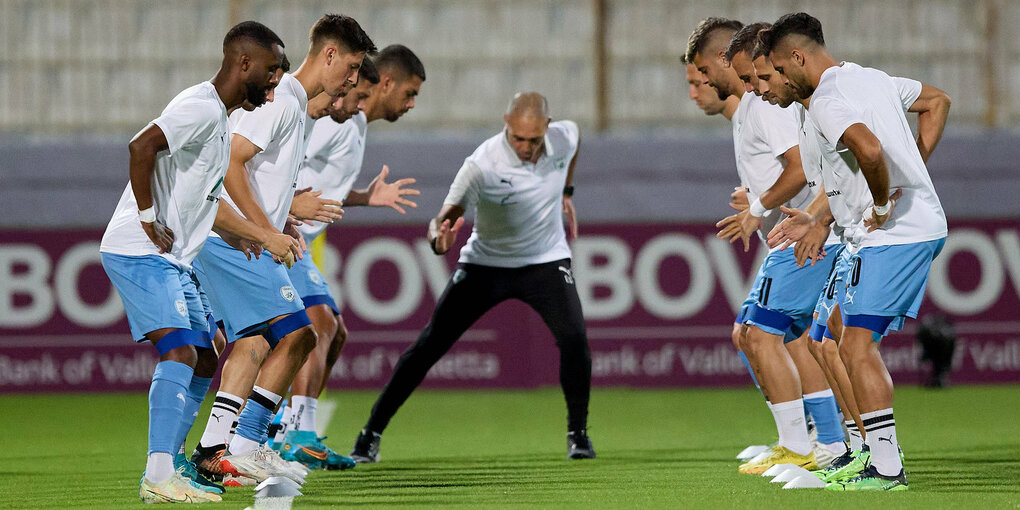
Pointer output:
285, 423
304, 412
224, 413
240, 445
793, 434
839, 448
885, 451
852, 432
159, 467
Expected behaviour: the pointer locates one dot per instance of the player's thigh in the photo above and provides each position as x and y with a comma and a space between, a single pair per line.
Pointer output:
550, 290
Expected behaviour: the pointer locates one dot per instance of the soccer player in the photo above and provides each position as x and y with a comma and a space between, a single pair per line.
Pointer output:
256, 300
519, 181
862, 111
162, 220
705, 96
784, 295
336, 149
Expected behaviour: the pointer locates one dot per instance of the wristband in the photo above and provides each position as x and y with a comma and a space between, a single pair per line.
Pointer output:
148, 215
568, 191
757, 209
882, 210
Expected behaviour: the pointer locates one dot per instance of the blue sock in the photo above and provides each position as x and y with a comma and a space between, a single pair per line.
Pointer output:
196, 394
823, 408
167, 398
747, 364
253, 424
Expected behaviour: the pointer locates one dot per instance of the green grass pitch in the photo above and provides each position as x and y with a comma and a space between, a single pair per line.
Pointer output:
497, 449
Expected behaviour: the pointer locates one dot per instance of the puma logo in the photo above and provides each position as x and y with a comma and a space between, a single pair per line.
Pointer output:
216, 416
887, 439
507, 181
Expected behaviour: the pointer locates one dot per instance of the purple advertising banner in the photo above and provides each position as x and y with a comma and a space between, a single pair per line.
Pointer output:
659, 301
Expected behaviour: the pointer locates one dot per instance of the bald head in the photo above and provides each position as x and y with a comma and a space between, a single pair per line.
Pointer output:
528, 104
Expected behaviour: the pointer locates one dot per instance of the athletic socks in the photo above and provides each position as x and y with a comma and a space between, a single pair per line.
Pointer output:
253, 423
885, 451
167, 398
854, 435
793, 433
285, 415
823, 408
196, 394
224, 412
304, 412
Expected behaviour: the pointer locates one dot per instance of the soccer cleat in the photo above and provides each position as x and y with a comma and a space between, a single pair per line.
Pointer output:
366, 447
175, 489
854, 466
207, 461
259, 464
239, 481
871, 480
824, 457
579, 446
187, 469
778, 455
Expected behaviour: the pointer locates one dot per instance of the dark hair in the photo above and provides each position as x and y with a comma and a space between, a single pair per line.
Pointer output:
401, 58
800, 23
343, 30
252, 31
699, 38
285, 66
743, 40
368, 71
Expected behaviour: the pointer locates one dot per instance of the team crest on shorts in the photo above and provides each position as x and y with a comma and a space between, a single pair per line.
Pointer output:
182, 307
314, 276
459, 275
287, 292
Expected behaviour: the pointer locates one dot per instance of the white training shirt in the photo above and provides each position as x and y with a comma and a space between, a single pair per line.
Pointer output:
519, 220
186, 183
332, 162
278, 129
850, 94
762, 133
811, 157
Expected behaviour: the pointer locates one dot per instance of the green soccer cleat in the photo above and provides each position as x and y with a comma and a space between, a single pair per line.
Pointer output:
306, 447
871, 480
855, 466
189, 472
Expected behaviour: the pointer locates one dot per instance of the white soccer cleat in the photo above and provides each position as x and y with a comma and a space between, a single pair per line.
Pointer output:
297, 470
259, 464
805, 482
777, 469
752, 451
823, 455
175, 489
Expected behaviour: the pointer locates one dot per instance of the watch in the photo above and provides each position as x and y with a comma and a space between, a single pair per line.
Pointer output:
568, 191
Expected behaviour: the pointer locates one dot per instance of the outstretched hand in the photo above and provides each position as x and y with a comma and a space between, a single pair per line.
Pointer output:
307, 205
446, 235
792, 229
738, 226
384, 194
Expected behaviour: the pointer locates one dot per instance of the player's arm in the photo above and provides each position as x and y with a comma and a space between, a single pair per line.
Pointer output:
380, 193
237, 185
789, 183
443, 228
867, 148
143, 149
932, 109
568, 198
230, 225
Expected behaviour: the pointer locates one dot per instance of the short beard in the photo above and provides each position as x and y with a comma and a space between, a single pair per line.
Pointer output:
254, 94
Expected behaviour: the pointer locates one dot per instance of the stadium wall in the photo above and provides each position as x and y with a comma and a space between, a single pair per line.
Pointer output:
659, 303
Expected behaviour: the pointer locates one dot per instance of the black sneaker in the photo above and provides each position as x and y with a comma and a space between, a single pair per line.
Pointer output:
207, 461
366, 447
579, 446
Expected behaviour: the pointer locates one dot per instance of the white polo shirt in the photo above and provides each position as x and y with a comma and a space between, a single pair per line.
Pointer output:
851, 94
519, 219
186, 183
762, 133
332, 162
278, 130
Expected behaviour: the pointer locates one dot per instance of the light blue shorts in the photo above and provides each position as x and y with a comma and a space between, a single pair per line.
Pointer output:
745, 307
831, 293
156, 294
883, 285
785, 295
311, 285
245, 294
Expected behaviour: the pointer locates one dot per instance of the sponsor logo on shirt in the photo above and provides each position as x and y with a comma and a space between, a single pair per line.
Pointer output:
833, 193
